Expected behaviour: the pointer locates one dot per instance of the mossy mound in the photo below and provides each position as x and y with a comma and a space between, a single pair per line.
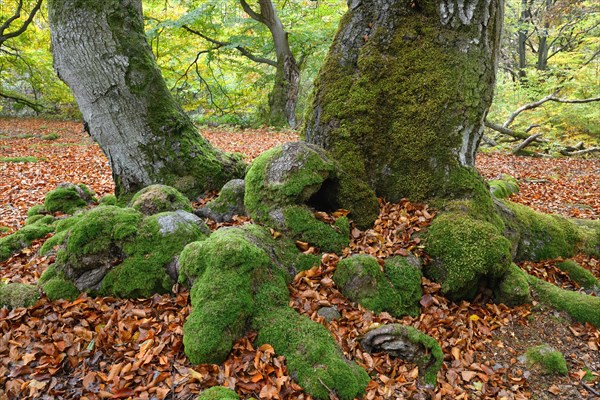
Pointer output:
580, 275
69, 198
218, 393
239, 284
361, 279
155, 199
56, 286
37, 229
293, 177
229, 203
37, 210
513, 289
108, 200
466, 253
14, 295
537, 236
117, 251
582, 307
504, 187
549, 359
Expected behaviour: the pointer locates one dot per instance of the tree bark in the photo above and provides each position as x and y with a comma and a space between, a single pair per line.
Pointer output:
284, 95
100, 52
402, 97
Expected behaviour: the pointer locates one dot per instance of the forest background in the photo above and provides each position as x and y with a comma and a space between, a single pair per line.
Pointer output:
219, 64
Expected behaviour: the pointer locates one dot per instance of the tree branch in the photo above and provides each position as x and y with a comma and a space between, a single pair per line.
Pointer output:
22, 100
253, 14
526, 142
5, 36
244, 51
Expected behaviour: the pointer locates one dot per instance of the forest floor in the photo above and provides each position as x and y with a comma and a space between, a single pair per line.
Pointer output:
95, 348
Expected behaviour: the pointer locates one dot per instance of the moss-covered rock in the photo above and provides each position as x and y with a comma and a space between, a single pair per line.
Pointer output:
537, 236
513, 288
14, 295
22, 238
582, 307
240, 283
36, 210
466, 253
155, 199
69, 198
580, 275
108, 200
361, 279
229, 203
296, 175
117, 251
504, 187
218, 393
548, 358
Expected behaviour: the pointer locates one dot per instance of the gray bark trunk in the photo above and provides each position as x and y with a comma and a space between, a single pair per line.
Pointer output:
522, 39
403, 95
100, 52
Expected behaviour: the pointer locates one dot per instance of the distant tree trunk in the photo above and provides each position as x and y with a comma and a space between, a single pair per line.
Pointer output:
403, 94
100, 52
523, 38
542, 62
284, 95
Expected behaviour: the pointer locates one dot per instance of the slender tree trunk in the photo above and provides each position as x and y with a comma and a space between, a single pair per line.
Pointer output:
100, 52
542, 62
523, 38
284, 95
403, 94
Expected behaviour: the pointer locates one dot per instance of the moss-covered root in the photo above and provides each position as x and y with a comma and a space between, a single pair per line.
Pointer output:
22, 238
537, 236
466, 252
14, 295
361, 279
549, 359
580, 275
311, 354
218, 393
68, 198
409, 344
513, 289
582, 307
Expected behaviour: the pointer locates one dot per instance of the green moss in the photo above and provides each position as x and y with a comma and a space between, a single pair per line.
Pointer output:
108, 200
311, 354
580, 275
155, 199
240, 284
504, 187
36, 210
60, 288
466, 252
61, 231
27, 159
513, 288
218, 393
33, 219
159, 238
582, 307
51, 136
14, 295
377, 122
303, 225
361, 280
549, 359
23, 237
68, 198
539, 236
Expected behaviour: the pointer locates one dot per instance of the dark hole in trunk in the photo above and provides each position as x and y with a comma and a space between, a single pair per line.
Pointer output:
326, 198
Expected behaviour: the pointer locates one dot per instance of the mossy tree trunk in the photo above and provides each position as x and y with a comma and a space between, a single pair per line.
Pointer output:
100, 52
284, 95
404, 92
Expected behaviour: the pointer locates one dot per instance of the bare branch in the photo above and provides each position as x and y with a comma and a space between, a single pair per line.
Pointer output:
23, 100
580, 152
244, 51
253, 14
526, 142
528, 106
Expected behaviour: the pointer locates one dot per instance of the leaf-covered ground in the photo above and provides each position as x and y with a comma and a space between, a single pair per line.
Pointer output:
111, 348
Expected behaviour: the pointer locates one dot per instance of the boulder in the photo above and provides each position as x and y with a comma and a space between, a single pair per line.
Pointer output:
155, 199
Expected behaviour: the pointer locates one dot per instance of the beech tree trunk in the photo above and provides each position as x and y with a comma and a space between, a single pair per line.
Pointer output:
100, 52
402, 97
284, 95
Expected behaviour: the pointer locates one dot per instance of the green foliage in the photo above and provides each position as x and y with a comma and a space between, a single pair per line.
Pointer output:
218, 393
549, 359
582, 307
14, 295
